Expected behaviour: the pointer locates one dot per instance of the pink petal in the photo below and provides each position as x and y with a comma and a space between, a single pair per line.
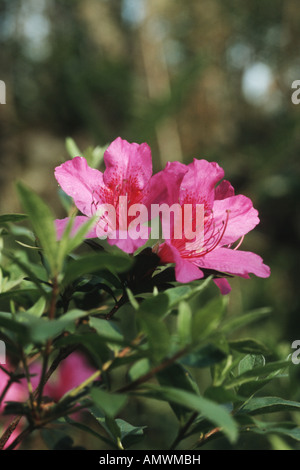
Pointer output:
223, 285
127, 243
242, 217
185, 271
128, 166
223, 190
198, 185
72, 372
61, 224
82, 183
237, 262
165, 185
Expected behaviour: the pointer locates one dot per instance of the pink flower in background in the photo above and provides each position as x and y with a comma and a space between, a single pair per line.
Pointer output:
227, 219
128, 173
16, 391
71, 372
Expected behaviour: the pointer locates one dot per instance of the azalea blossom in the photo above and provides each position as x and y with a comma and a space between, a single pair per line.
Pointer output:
227, 219
124, 183
71, 372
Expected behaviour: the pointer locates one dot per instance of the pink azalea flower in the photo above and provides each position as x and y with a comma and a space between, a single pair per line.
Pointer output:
71, 372
128, 173
16, 392
227, 219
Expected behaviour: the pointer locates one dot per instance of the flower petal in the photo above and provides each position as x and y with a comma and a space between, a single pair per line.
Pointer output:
242, 217
80, 182
223, 285
198, 185
61, 224
128, 166
185, 271
165, 185
223, 190
126, 242
237, 262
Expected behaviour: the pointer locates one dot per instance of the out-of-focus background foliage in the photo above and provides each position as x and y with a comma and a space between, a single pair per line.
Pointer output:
194, 78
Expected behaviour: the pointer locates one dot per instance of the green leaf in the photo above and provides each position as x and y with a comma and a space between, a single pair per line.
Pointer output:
256, 372
68, 242
139, 368
205, 356
178, 377
27, 270
249, 346
284, 429
159, 340
89, 430
42, 329
216, 414
207, 319
91, 263
92, 342
7, 320
42, 222
185, 292
249, 362
5, 218
184, 323
262, 405
109, 403
156, 305
221, 395
38, 308
129, 434
235, 323
106, 330
72, 148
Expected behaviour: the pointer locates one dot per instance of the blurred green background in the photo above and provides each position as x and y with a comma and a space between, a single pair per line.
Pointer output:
193, 78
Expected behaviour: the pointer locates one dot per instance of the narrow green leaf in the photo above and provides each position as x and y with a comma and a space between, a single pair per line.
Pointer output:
205, 356
5, 218
38, 308
25, 267
235, 323
159, 339
185, 292
184, 323
284, 429
92, 263
257, 372
42, 222
262, 405
72, 148
107, 330
89, 430
110, 403
178, 377
216, 414
139, 368
207, 319
249, 346
249, 362
129, 434
68, 242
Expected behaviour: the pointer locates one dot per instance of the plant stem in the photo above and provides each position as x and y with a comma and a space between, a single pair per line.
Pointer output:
51, 316
149, 375
27, 375
8, 432
20, 437
183, 430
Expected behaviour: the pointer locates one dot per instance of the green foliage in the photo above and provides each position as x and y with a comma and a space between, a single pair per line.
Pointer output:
149, 339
